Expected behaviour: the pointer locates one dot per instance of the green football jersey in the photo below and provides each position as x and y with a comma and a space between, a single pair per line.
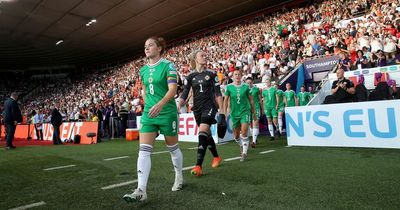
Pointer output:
255, 93
304, 98
290, 98
280, 94
239, 99
269, 95
155, 78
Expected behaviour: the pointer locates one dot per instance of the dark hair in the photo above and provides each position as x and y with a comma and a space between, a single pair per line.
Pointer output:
249, 78
381, 92
14, 94
341, 68
160, 42
383, 88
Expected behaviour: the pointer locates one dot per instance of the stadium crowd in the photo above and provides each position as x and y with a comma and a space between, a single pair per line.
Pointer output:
365, 33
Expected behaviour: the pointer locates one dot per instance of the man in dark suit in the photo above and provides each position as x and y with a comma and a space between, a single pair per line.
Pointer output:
99, 115
56, 121
12, 116
123, 116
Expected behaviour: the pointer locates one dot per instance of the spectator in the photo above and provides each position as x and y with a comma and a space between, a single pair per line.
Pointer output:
77, 115
361, 62
344, 62
272, 61
361, 90
123, 117
380, 60
381, 92
38, 122
99, 113
342, 90
395, 90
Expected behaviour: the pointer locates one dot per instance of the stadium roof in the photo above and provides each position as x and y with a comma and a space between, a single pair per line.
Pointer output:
30, 29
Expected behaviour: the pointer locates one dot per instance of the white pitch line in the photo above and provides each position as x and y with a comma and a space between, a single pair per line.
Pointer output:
187, 168
268, 151
230, 159
118, 185
159, 152
115, 158
59, 167
41, 203
289, 146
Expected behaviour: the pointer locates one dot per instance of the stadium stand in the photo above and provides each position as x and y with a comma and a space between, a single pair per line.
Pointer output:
364, 33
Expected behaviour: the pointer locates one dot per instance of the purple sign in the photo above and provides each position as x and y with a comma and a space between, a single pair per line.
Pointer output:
319, 65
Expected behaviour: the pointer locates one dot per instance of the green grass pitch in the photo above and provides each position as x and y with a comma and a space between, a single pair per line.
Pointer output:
288, 178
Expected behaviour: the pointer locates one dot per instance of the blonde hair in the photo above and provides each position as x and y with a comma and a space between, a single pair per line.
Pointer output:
192, 58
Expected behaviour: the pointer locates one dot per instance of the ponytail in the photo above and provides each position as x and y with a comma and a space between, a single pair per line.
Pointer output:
192, 59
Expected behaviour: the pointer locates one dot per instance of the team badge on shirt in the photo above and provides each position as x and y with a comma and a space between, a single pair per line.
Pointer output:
174, 126
207, 77
172, 66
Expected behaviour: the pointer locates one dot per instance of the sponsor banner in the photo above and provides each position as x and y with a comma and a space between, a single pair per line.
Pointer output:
319, 65
365, 124
67, 131
369, 75
188, 129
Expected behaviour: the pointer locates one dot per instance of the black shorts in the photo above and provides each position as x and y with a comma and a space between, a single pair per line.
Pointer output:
206, 116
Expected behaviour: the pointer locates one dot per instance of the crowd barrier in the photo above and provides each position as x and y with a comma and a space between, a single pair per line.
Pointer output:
67, 131
364, 124
386, 72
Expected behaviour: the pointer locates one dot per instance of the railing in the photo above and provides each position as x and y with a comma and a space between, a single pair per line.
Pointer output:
296, 68
324, 89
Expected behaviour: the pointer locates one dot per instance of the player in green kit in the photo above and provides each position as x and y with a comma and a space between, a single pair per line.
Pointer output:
281, 108
310, 90
290, 96
238, 96
270, 107
160, 114
256, 94
303, 97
